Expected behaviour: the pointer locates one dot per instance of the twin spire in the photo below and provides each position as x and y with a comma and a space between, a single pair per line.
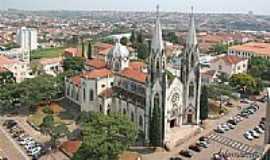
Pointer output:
157, 41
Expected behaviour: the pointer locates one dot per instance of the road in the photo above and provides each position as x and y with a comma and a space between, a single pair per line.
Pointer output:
10, 148
214, 147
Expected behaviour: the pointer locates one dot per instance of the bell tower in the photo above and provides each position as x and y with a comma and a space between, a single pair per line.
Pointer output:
156, 85
190, 76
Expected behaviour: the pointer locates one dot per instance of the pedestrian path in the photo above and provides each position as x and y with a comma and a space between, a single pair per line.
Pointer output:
242, 147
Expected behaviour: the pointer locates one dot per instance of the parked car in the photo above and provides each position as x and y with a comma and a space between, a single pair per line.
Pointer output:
233, 122
204, 139
175, 158
202, 144
34, 151
248, 136
254, 133
11, 124
231, 126
259, 130
194, 148
186, 153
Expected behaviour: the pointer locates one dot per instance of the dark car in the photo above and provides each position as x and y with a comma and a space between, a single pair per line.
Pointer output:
175, 158
11, 124
203, 138
186, 153
233, 122
195, 148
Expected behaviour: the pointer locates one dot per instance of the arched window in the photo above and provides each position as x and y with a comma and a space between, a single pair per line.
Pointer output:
157, 64
91, 95
68, 90
191, 90
192, 60
132, 116
141, 121
125, 111
77, 96
84, 94
108, 109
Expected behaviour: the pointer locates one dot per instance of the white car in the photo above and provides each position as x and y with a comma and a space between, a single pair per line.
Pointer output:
254, 133
26, 140
225, 126
248, 136
34, 151
231, 126
259, 130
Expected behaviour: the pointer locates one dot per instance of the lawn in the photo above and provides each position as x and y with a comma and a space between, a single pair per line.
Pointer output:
37, 118
47, 53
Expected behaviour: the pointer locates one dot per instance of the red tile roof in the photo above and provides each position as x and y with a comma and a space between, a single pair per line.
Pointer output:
96, 63
257, 48
133, 74
137, 65
76, 80
97, 73
70, 147
102, 48
73, 52
230, 59
6, 61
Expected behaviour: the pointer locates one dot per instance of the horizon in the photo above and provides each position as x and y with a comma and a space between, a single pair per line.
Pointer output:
207, 7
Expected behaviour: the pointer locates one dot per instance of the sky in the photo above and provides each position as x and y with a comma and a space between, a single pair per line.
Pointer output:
205, 6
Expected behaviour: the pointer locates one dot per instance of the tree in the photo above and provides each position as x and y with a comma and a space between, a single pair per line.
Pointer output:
49, 127
6, 77
83, 49
204, 104
89, 51
155, 127
133, 37
124, 41
220, 48
243, 81
259, 67
143, 51
75, 64
140, 37
105, 137
171, 36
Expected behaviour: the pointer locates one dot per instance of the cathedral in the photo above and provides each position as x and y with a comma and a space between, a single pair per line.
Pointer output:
115, 83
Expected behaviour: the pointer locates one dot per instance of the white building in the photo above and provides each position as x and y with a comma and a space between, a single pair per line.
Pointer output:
52, 66
252, 49
126, 87
27, 38
19, 69
229, 65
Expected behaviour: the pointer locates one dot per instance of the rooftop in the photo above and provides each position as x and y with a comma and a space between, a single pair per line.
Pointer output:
133, 74
97, 73
6, 61
96, 63
262, 49
230, 59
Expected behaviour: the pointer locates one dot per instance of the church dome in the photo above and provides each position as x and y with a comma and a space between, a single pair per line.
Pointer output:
118, 51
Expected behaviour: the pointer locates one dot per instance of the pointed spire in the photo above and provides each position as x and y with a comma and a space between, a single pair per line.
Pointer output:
157, 42
192, 37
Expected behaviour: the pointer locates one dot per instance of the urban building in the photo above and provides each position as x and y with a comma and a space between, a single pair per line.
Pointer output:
229, 65
27, 38
52, 66
120, 85
249, 50
19, 69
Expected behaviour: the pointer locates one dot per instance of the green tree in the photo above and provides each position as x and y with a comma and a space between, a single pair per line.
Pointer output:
243, 81
6, 77
220, 48
83, 49
133, 37
124, 41
204, 104
140, 37
105, 137
75, 64
171, 36
56, 131
155, 127
89, 51
143, 51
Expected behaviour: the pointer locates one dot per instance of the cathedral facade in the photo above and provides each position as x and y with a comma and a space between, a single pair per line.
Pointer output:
117, 84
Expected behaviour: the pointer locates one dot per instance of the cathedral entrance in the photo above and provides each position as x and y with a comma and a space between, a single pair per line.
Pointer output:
189, 118
173, 123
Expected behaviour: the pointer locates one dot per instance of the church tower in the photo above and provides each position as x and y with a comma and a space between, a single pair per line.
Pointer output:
156, 84
191, 77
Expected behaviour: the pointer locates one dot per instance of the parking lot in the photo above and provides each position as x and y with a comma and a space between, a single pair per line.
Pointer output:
24, 143
233, 141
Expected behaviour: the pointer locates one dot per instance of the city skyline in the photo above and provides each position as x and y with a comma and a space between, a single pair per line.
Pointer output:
206, 6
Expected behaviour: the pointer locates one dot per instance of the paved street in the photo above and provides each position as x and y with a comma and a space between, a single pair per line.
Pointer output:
9, 147
232, 141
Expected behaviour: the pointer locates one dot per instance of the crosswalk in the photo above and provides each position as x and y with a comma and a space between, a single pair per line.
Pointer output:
244, 148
